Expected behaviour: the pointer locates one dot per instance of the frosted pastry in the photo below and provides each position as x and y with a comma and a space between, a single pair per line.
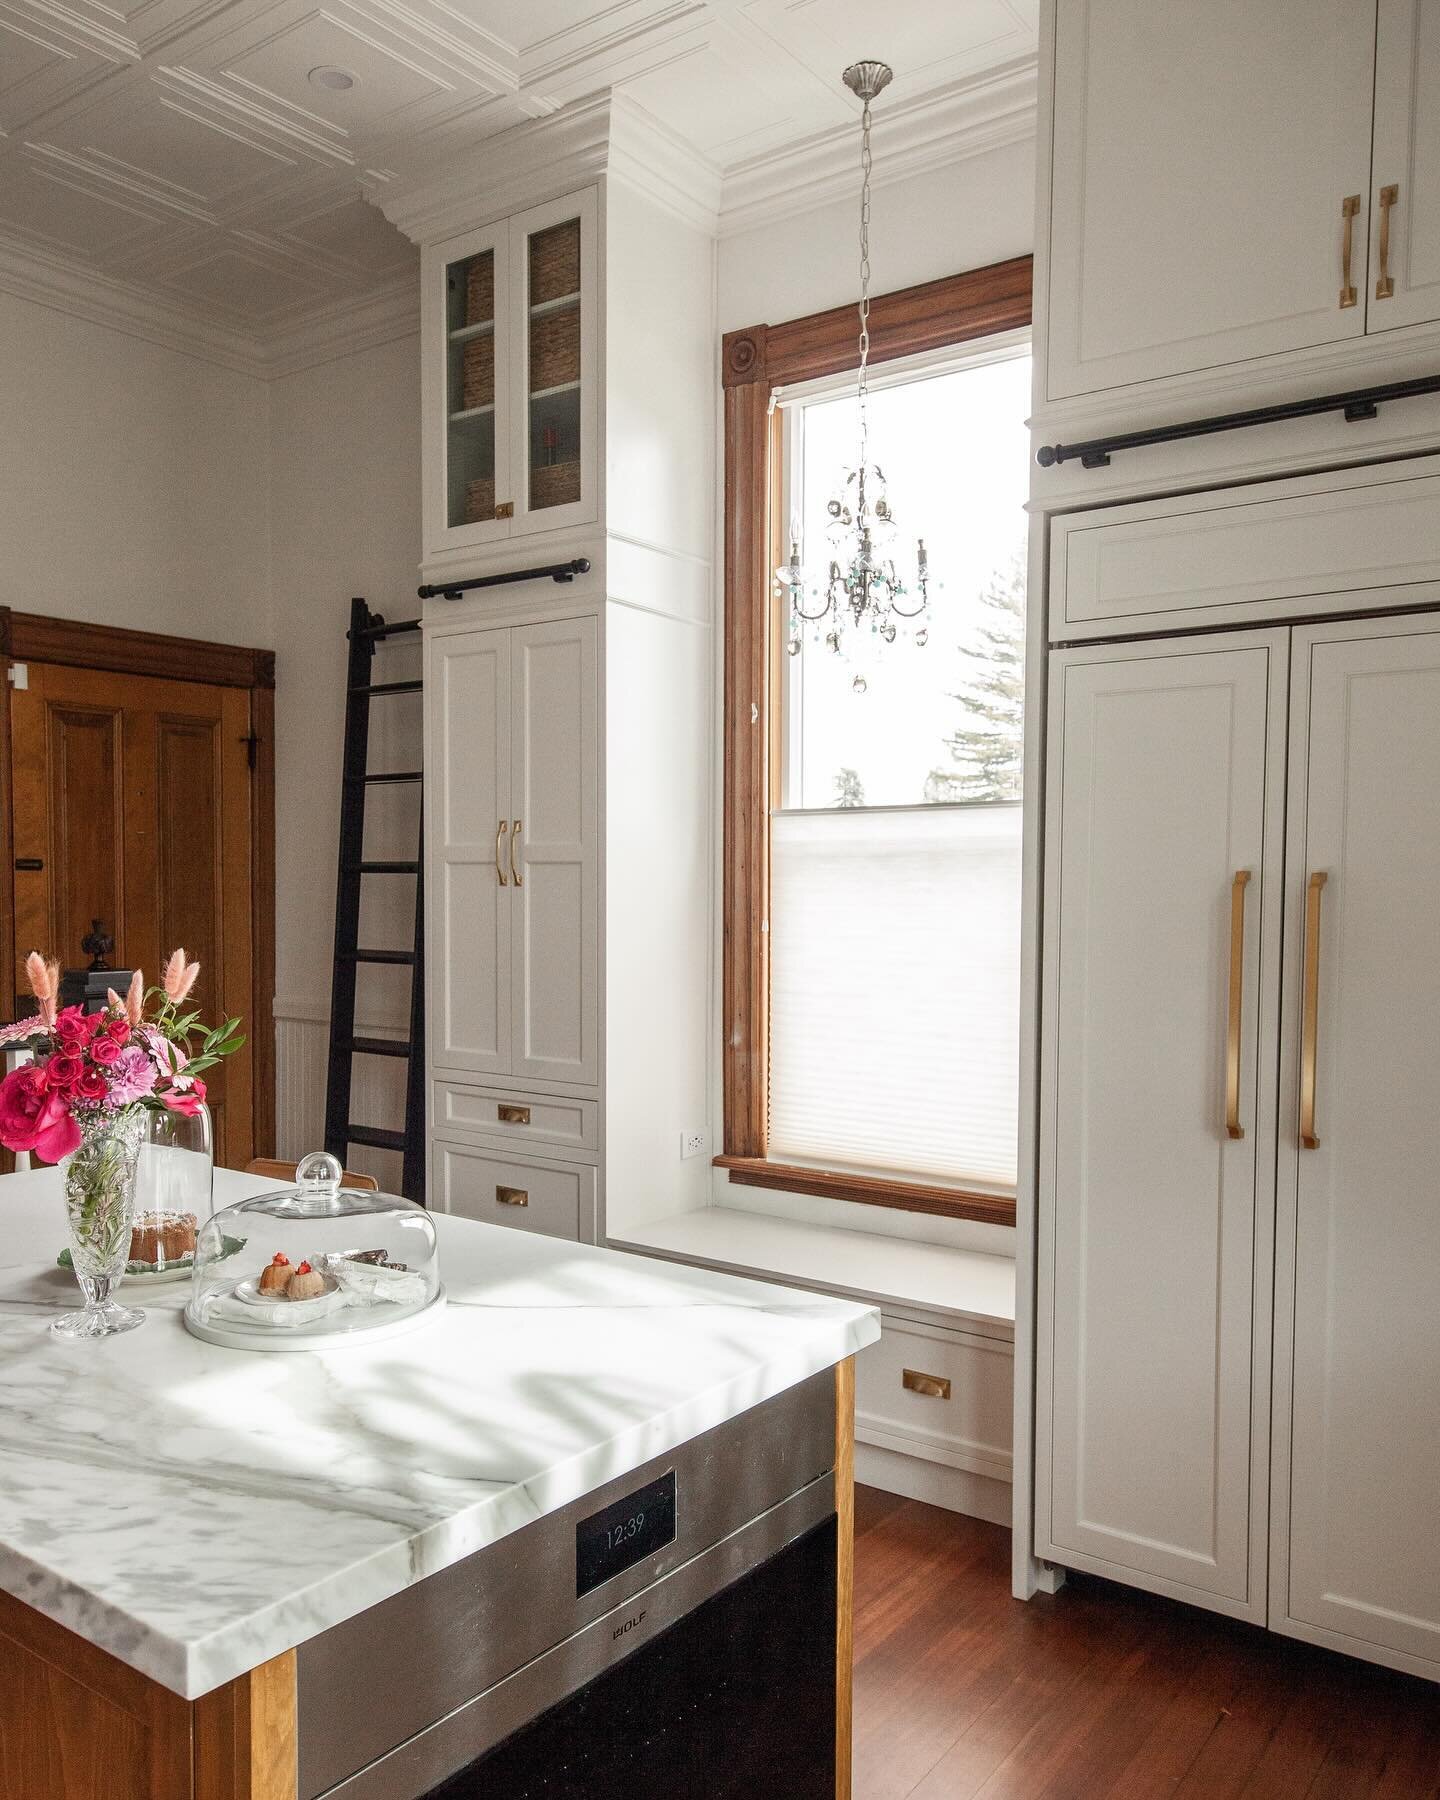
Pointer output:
306, 1283
277, 1277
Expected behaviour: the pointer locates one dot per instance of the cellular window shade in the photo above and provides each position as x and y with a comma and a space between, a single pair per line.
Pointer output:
895, 991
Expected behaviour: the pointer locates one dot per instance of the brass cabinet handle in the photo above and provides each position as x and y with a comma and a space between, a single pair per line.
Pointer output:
934, 1387
500, 875
513, 1115
1310, 1024
1385, 286
514, 866
1349, 212
508, 1196
1233, 1127
505, 510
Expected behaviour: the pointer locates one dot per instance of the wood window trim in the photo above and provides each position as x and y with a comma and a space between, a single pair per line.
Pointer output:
32, 637
754, 362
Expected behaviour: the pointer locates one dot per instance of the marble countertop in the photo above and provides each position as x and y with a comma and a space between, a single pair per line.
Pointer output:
195, 1511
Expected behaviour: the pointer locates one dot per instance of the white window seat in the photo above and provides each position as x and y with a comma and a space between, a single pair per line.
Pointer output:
967, 1289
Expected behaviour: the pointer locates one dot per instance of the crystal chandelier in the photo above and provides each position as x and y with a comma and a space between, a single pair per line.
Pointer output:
862, 584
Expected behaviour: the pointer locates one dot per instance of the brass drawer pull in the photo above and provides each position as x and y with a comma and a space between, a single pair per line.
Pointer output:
500, 875
1385, 286
514, 868
513, 1115
1310, 1012
505, 510
508, 1196
934, 1387
1349, 212
1233, 1127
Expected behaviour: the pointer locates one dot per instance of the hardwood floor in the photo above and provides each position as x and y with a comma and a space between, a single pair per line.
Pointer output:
1100, 1692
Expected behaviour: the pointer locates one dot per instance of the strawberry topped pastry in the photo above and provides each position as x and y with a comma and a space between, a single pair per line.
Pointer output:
277, 1275
306, 1283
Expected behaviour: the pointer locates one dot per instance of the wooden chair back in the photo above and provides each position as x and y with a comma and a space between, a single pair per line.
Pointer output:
285, 1171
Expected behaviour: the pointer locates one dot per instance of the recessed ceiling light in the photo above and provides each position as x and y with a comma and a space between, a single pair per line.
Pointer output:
338, 81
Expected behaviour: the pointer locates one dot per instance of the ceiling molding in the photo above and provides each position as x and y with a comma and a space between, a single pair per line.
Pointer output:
983, 112
604, 134
322, 335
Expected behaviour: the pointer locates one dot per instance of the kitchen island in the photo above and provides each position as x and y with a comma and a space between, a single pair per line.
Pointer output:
545, 1543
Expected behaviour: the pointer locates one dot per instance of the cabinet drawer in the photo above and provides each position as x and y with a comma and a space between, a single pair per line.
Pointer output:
555, 1199
945, 1395
1338, 543
552, 1121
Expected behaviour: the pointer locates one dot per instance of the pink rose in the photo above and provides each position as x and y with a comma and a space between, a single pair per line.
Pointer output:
187, 1100
91, 1086
34, 1118
118, 1030
104, 1051
63, 1070
72, 1026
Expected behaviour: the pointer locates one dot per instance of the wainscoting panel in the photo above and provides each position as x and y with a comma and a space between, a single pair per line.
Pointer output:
302, 1037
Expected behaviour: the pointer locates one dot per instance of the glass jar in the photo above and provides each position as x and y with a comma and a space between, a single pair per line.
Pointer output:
173, 1195
313, 1266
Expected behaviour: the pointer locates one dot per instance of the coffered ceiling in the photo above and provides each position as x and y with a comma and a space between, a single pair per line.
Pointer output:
201, 152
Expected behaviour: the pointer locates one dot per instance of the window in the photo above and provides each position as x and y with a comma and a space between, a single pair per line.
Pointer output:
880, 867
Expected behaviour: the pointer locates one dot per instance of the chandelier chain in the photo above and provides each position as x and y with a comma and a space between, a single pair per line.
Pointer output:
865, 166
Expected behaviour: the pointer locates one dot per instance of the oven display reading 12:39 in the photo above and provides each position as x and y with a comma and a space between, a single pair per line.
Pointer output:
624, 1534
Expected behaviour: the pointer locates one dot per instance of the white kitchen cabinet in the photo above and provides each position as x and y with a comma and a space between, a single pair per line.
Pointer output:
1357, 1471
514, 917
1202, 161
554, 846
554, 1198
1404, 285
510, 367
470, 915
1157, 1137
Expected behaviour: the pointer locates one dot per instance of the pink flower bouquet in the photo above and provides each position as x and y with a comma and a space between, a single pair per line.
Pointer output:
92, 1065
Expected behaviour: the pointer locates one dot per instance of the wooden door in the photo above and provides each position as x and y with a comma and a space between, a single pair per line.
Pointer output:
1153, 1386
467, 846
1201, 159
1407, 161
133, 794
1358, 1366
555, 789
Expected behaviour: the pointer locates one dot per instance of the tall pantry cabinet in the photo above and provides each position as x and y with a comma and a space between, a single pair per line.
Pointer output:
568, 406
1230, 1237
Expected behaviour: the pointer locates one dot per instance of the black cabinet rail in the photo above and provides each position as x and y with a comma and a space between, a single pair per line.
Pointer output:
452, 590
1358, 403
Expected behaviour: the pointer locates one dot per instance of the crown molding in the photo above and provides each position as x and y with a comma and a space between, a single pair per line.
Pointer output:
983, 112
606, 134
319, 336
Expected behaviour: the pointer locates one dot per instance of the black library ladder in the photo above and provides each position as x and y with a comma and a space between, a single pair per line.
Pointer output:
367, 632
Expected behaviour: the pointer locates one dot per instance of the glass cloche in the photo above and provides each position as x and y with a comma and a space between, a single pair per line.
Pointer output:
313, 1266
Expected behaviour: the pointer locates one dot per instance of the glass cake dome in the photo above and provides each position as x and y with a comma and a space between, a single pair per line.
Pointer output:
313, 1266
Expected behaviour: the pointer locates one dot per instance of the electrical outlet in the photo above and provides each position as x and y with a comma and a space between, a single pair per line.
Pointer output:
694, 1143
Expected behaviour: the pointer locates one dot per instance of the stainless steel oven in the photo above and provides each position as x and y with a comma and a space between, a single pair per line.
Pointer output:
671, 1634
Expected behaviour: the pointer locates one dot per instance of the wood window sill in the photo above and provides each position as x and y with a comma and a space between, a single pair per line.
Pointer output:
870, 1190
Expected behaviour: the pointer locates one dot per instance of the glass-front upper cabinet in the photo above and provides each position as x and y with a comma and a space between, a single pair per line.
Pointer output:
511, 399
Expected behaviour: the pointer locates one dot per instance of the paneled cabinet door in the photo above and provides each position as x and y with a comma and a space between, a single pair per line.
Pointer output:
555, 847
467, 351
1162, 922
1357, 1446
555, 333
467, 841
1406, 173
1202, 160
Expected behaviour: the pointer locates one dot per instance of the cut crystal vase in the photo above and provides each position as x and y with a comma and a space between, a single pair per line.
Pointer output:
99, 1182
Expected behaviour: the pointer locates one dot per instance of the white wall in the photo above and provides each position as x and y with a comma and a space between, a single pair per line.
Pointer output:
344, 501
938, 223
132, 481
930, 225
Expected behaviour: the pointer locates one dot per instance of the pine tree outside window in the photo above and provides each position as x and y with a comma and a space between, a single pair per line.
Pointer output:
895, 846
